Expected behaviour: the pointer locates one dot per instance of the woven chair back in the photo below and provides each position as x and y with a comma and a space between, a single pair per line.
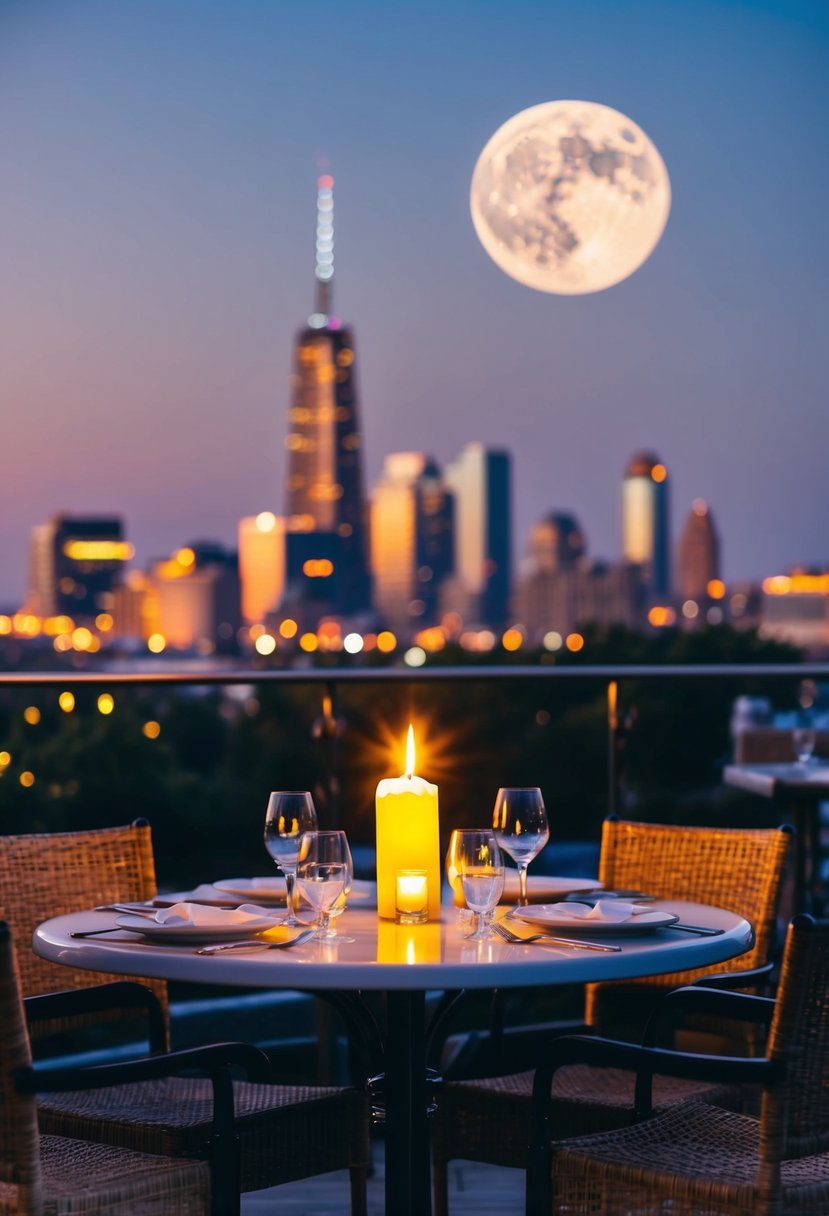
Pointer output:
19, 1140
51, 874
795, 1114
734, 868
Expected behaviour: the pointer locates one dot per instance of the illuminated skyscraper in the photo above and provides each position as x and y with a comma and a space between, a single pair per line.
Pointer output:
325, 507
74, 564
411, 540
480, 482
645, 535
698, 554
261, 564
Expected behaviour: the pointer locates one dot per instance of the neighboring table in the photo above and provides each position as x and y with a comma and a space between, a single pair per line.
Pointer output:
799, 788
403, 961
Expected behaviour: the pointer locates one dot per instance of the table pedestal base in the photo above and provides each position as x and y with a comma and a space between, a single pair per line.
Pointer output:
408, 1172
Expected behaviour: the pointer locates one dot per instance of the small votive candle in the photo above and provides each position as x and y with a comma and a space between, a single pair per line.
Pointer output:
411, 897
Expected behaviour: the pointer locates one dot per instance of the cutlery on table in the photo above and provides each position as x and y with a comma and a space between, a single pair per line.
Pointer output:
700, 929
131, 909
95, 932
253, 944
575, 942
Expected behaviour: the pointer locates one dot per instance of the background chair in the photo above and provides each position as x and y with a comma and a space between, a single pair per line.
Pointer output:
60, 1175
702, 1159
284, 1132
488, 1119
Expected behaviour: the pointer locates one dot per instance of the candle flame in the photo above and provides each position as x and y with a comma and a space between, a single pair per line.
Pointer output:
410, 752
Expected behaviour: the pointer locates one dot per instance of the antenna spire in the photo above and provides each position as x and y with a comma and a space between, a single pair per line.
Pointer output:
324, 270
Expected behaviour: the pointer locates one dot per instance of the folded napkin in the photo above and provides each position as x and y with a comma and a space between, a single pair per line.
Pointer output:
611, 911
247, 916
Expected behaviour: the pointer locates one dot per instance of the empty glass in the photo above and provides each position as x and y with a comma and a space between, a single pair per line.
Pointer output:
481, 869
321, 874
520, 825
803, 738
290, 813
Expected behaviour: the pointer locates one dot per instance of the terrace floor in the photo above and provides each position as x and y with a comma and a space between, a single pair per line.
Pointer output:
474, 1190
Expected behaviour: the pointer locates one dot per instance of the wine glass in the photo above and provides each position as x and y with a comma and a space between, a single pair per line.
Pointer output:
321, 873
520, 825
481, 870
290, 813
342, 900
803, 738
452, 872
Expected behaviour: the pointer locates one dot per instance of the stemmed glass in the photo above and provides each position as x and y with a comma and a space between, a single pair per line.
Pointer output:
481, 869
321, 874
290, 813
342, 900
520, 825
452, 872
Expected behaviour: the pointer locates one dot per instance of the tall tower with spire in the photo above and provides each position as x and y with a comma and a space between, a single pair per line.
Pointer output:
326, 542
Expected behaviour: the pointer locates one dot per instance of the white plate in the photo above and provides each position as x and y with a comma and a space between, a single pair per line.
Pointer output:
213, 932
546, 886
272, 889
552, 917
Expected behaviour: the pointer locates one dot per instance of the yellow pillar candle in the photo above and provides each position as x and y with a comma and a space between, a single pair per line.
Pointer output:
407, 835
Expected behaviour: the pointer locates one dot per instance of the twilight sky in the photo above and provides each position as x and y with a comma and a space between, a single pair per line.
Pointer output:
158, 161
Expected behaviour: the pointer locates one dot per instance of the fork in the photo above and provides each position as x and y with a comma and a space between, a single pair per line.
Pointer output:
576, 943
251, 944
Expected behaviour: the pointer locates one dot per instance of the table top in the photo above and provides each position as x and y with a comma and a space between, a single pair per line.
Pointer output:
773, 780
379, 955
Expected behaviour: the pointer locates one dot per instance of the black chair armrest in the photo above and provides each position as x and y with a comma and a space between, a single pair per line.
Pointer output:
210, 1058
597, 1052
735, 980
714, 1002
120, 994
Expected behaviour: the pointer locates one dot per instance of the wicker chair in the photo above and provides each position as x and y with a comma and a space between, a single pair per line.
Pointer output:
55, 1175
488, 1119
284, 1132
697, 1159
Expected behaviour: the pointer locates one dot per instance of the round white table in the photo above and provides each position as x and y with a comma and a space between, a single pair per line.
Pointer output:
404, 962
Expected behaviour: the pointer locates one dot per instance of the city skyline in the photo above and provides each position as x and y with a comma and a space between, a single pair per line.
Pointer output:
158, 249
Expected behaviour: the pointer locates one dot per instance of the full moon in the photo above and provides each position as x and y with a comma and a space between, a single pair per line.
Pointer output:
570, 197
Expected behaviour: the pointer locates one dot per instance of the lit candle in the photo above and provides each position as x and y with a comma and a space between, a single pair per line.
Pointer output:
407, 835
412, 896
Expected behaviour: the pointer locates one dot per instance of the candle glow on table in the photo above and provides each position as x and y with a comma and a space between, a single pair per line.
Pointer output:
407, 835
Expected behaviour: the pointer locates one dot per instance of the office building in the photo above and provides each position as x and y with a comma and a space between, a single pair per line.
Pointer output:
411, 540
324, 494
479, 480
697, 555
645, 522
192, 600
561, 590
556, 543
261, 565
74, 564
